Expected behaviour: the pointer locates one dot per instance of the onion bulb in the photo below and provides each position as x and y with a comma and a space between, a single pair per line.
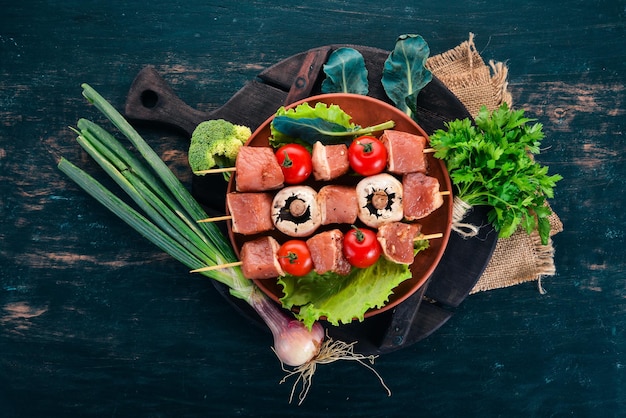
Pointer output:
294, 343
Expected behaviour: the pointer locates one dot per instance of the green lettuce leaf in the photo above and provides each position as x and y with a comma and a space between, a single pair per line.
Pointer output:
304, 122
311, 130
404, 72
328, 124
342, 298
345, 73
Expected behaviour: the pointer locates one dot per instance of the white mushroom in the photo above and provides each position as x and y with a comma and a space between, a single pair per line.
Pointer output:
295, 211
380, 200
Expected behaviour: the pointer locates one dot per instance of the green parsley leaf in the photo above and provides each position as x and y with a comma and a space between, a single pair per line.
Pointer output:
491, 164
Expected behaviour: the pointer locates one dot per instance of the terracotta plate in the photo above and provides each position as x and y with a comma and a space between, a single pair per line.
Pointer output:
366, 111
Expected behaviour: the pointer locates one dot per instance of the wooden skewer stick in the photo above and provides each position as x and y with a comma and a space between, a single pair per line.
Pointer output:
233, 169
215, 170
422, 237
216, 219
227, 217
239, 263
217, 267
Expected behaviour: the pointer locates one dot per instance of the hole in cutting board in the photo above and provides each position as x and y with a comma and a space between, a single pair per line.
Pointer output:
149, 99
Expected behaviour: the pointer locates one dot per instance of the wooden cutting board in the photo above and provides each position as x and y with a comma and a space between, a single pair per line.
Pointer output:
151, 99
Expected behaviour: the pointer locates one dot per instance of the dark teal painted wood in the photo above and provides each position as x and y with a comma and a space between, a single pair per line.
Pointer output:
95, 322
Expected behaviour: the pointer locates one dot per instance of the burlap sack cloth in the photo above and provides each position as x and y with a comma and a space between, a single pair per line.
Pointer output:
520, 258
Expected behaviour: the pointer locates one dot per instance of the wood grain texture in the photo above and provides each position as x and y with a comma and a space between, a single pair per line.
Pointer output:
95, 322
151, 100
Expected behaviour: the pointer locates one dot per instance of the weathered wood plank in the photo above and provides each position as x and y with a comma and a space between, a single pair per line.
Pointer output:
95, 322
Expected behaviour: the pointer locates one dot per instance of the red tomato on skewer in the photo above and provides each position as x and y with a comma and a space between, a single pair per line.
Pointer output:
295, 162
367, 155
360, 247
295, 258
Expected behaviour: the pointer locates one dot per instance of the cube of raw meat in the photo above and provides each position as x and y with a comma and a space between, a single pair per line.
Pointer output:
405, 152
327, 252
338, 204
257, 170
251, 212
329, 161
421, 195
397, 241
259, 259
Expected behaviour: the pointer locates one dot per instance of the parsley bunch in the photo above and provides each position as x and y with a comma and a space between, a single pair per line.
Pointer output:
491, 163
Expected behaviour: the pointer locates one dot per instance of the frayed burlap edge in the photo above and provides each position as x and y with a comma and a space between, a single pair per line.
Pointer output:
520, 258
457, 61
465, 74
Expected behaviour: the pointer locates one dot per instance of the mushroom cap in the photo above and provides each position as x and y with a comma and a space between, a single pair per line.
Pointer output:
295, 211
380, 200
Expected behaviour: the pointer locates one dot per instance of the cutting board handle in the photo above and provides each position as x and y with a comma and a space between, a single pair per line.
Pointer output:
308, 74
151, 99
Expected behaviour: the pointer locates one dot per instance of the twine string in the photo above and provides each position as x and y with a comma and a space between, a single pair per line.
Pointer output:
460, 209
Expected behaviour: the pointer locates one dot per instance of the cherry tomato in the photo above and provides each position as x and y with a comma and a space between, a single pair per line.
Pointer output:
295, 258
360, 247
295, 161
367, 155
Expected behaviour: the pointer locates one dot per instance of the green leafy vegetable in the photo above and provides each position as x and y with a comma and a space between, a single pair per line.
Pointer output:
170, 213
326, 123
421, 245
216, 142
345, 73
491, 164
404, 72
342, 298
169, 220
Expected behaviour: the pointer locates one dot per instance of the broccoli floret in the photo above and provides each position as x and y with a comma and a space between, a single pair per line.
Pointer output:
216, 142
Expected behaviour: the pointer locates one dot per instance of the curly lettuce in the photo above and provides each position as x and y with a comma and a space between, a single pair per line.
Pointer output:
306, 125
340, 299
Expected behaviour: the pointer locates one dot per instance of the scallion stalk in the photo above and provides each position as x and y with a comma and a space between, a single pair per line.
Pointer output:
170, 221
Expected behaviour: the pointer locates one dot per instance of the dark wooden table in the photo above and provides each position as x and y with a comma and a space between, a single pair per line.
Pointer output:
94, 321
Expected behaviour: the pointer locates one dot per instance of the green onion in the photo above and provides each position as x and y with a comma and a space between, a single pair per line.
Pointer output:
172, 211
170, 221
